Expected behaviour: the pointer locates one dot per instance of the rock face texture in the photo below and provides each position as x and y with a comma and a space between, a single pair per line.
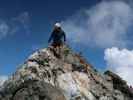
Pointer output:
61, 74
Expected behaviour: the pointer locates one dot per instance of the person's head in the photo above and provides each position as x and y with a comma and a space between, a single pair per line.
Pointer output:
57, 26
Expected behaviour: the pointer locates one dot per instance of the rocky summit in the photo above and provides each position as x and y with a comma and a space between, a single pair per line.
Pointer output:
61, 74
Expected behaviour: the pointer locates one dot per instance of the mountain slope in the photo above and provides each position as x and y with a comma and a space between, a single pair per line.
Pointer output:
61, 74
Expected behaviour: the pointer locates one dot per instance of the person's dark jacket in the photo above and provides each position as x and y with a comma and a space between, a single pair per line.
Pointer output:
57, 36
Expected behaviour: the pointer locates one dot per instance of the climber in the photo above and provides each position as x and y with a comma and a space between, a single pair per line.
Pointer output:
58, 38
57, 35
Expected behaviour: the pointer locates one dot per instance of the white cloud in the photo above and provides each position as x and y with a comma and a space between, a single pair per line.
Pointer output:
21, 21
104, 25
3, 79
15, 24
24, 17
121, 62
4, 29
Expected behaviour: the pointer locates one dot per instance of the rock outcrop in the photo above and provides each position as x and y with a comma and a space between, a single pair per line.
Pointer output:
61, 74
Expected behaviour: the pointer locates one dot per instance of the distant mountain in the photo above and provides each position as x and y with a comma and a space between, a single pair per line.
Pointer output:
61, 74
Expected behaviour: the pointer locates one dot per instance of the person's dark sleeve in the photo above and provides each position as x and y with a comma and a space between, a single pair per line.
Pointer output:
64, 35
49, 40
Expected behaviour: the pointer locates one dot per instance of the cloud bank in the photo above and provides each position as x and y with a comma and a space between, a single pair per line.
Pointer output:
103, 25
120, 62
3, 79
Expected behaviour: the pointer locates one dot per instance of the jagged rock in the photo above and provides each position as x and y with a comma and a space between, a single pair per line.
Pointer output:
61, 74
119, 84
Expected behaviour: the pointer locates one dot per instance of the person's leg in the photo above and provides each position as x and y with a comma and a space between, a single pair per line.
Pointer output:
55, 49
60, 48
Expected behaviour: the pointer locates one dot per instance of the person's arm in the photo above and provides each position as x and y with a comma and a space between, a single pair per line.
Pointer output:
50, 37
64, 35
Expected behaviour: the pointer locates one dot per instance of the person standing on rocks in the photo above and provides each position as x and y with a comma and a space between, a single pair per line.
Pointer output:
58, 37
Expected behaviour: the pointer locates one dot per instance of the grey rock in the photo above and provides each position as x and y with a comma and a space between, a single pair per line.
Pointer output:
61, 74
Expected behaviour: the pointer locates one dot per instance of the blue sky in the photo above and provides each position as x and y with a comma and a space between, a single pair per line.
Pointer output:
100, 29
41, 15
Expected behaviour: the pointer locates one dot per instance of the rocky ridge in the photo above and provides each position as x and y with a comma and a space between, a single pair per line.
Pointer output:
60, 74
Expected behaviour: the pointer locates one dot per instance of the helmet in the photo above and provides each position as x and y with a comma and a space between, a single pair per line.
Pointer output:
58, 25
